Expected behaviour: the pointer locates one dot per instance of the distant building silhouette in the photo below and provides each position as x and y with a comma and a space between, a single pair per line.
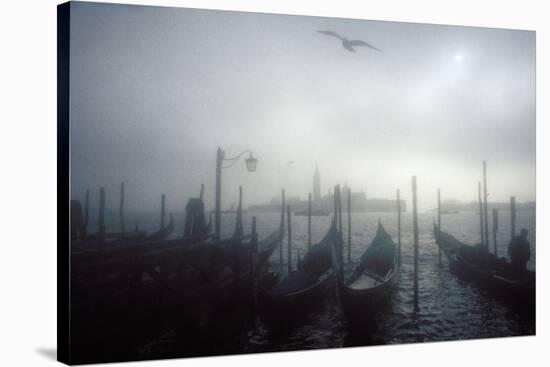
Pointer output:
359, 201
454, 205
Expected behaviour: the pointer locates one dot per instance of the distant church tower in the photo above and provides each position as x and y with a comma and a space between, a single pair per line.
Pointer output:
316, 186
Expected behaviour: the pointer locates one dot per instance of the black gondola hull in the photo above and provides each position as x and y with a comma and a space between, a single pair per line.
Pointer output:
365, 303
362, 299
518, 292
296, 303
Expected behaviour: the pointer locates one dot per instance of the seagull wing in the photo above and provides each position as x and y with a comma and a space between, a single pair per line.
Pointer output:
362, 43
332, 34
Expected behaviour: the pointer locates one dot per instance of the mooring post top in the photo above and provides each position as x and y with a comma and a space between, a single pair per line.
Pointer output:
201, 192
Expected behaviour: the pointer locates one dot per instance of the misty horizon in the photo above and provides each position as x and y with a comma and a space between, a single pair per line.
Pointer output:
155, 91
177, 204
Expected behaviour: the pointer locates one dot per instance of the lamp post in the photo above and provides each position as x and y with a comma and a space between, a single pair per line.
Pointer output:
251, 164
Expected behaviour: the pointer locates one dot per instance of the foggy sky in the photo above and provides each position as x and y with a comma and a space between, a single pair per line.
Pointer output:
154, 92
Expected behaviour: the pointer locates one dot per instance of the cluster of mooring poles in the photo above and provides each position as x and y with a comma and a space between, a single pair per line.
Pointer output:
483, 210
83, 223
337, 218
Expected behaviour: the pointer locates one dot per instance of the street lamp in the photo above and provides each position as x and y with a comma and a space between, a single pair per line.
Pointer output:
251, 164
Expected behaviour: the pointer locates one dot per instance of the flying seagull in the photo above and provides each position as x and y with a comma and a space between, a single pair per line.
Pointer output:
349, 44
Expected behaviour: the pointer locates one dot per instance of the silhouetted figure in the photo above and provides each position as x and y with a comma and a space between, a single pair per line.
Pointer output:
349, 44
195, 223
519, 252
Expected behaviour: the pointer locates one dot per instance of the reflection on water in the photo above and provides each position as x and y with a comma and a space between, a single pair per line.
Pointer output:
450, 308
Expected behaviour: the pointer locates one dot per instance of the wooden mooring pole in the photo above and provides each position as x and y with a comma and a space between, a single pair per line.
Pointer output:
338, 194
341, 255
338, 254
480, 213
121, 209
162, 210
485, 207
339, 201
398, 228
439, 221
335, 216
349, 225
254, 235
218, 198
289, 239
101, 220
415, 236
282, 229
512, 217
86, 213
111, 214
495, 229
239, 220
253, 261
309, 222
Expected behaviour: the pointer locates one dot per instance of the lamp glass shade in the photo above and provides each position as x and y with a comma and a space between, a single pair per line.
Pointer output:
251, 163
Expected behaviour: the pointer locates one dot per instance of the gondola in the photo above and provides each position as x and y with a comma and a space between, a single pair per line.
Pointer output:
238, 253
370, 283
267, 246
494, 274
164, 232
203, 266
306, 285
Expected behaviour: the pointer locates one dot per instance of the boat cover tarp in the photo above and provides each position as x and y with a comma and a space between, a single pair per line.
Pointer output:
297, 281
379, 257
317, 260
477, 255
